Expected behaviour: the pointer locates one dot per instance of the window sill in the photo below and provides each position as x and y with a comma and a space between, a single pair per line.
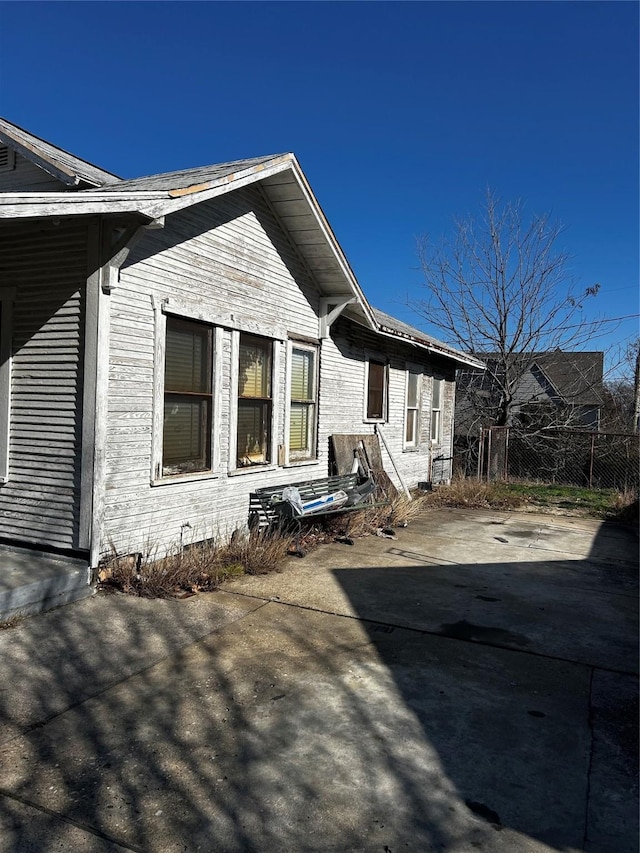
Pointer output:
302, 463
411, 449
186, 478
374, 421
254, 469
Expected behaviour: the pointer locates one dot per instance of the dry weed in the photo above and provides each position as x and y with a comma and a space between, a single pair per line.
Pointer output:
625, 508
200, 567
472, 494
366, 522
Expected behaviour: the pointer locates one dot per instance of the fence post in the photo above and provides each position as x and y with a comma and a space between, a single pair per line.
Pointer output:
480, 454
489, 437
506, 453
593, 447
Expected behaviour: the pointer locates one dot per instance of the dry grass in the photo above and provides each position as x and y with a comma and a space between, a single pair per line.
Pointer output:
625, 507
568, 500
198, 568
474, 495
367, 522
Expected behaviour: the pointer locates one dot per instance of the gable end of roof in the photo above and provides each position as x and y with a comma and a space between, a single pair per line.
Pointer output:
66, 167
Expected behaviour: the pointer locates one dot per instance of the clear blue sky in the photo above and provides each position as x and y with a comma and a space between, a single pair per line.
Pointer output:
401, 114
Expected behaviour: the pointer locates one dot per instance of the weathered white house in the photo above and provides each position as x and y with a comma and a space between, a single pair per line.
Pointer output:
171, 343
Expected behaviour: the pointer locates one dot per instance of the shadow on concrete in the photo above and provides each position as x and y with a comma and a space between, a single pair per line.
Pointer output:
231, 723
255, 738
523, 677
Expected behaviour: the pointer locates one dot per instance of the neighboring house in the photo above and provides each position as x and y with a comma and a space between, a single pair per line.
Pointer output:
553, 389
171, 343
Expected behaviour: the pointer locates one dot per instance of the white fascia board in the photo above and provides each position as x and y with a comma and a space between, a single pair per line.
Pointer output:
32, 205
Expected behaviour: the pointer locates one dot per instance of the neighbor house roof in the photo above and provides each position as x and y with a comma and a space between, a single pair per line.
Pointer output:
66, 167
576, 377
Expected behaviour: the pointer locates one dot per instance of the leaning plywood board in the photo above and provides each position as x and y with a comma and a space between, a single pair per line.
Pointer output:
345, 450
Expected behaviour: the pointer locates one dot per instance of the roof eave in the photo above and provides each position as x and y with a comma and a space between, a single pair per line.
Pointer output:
39, 206
56, 170
442, 352
180, 198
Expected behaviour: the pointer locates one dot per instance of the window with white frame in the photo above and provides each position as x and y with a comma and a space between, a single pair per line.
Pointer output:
255, 400
376, 396
7, 296
303, 405
436, 410
412, 408
188, 396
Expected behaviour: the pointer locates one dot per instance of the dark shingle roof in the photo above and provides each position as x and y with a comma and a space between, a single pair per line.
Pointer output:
189, 177
576, 376
56, 161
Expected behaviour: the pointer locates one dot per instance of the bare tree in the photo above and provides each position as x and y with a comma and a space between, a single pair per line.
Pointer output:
636, 386
621, 387
502, 286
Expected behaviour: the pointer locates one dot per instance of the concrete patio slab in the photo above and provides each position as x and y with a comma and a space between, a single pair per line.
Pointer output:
316, 710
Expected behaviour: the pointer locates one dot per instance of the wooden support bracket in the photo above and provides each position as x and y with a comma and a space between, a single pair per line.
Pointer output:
330, 309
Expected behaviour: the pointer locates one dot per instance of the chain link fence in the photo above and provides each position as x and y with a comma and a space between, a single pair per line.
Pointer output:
595, 460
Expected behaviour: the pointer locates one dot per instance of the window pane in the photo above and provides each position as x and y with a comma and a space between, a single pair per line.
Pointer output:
301, 374
437, 383
187, 356
375, 391
254, 439
187, 434
254, 378
435, 425
411, 426
412, 390
299, 433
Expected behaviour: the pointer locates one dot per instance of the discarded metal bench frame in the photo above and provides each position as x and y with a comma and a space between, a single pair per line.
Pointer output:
267, 511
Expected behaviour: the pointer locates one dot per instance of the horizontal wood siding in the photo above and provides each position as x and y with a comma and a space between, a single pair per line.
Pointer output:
48, 267
231, 259
228, 261
343, 400
28, 178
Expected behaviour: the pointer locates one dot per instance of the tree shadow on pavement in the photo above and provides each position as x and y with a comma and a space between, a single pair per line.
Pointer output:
233, 723
523, 677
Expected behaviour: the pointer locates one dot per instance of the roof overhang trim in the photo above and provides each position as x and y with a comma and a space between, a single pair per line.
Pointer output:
35, 205
38, 158
442, 352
